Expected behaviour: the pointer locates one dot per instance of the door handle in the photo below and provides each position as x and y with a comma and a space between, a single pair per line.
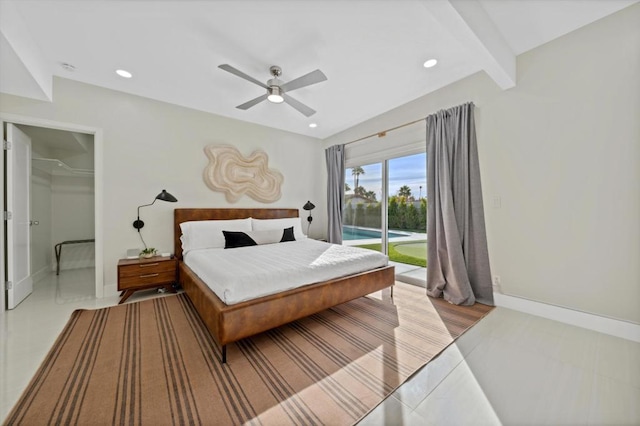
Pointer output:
34, 222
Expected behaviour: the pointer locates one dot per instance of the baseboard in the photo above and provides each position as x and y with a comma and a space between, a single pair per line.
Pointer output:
614, 327
43, 272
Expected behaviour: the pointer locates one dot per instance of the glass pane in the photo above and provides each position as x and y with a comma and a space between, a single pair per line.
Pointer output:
407, 211
362, 217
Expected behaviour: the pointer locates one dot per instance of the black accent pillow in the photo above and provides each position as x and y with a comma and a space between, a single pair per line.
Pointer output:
287, 235
234, 239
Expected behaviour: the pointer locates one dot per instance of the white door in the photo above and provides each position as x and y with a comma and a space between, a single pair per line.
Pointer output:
20, 283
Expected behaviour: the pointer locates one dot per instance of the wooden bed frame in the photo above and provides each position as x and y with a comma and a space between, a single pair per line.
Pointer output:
230, 323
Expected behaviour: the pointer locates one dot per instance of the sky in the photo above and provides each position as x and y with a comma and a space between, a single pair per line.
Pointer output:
410, 171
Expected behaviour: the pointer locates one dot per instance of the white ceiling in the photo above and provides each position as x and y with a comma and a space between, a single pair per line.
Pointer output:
64, 151
61, 142
371, 50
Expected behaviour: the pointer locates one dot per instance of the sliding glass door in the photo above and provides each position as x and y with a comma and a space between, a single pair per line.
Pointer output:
362, 216
386, 208
407, 210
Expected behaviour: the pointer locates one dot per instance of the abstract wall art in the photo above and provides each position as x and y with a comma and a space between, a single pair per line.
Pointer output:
234, 174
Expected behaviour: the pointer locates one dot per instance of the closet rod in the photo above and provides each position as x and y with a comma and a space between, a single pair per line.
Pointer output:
384, 132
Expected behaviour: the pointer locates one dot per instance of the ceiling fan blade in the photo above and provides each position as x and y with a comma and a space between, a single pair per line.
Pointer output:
306, 80
308, 112
235, 71
252, 102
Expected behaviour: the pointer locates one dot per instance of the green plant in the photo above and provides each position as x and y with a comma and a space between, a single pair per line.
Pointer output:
148, 251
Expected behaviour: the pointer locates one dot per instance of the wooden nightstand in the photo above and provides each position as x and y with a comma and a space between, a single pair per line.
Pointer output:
139, 274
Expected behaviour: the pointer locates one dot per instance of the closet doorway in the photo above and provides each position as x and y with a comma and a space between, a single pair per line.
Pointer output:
62, 213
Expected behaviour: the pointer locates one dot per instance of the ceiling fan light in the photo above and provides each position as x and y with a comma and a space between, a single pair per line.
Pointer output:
275, 95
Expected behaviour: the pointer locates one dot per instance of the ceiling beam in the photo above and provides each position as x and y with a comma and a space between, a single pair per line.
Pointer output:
470, 24
24, 71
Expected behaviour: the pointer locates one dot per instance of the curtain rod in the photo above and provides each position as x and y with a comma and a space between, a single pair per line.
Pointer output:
384, 132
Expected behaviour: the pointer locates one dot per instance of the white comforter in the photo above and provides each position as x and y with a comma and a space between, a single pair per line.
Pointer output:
246, 273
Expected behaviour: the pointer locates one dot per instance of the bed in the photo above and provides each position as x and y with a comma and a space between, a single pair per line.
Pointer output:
233, 322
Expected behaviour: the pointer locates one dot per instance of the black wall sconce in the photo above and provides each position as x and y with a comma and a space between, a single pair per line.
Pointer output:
163, 196
309, 206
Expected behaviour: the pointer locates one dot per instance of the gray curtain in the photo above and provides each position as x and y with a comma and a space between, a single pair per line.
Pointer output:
335, 192
458, 257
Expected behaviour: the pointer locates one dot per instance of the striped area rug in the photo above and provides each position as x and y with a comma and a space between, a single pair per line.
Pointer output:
154, 362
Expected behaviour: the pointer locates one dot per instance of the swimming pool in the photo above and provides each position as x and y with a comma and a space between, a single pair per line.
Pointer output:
355, 233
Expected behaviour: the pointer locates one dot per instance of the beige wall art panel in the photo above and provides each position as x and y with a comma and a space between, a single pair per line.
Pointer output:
234, 174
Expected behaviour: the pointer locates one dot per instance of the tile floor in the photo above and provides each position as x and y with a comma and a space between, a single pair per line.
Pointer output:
28, 331
511, 368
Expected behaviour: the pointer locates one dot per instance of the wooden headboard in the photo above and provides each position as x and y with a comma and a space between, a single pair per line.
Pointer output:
186, 215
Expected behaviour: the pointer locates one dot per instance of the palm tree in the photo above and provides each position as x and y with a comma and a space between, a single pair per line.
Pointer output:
404, 191
356, 172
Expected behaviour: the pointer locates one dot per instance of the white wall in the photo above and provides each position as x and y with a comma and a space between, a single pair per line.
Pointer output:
149, 146
64, 208
562, 151
73, 219
41, 245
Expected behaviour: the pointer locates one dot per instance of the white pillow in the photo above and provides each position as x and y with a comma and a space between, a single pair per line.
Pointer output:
269, 224
208, 233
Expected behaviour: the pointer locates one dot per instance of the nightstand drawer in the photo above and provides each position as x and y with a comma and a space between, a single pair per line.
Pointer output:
146, 278
140, 274
146, 268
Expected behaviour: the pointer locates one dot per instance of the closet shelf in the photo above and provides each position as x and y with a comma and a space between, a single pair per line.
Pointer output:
57, 167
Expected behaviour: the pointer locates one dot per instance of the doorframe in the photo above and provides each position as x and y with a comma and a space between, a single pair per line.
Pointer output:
98, 185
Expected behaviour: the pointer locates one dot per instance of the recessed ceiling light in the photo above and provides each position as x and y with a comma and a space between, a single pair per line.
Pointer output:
430, 63
123, 73
313, 125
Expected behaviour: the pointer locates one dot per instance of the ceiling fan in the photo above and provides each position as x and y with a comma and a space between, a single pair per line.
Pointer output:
277, 89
